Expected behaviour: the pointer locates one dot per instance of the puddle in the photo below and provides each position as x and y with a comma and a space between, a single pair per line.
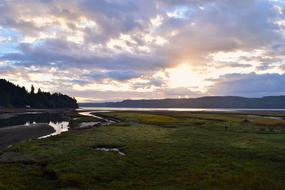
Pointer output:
88, 124
59, 127
276, 118
267, 117
117, 150
30, 123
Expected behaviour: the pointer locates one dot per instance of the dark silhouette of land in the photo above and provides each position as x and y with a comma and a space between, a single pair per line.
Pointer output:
14, 96
268, 102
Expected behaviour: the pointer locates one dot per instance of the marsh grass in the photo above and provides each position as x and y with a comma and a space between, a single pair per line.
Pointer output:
165, 150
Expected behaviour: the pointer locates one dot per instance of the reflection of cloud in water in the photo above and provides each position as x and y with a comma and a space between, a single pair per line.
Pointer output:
88, 124
59, 128
111, 150
30, 123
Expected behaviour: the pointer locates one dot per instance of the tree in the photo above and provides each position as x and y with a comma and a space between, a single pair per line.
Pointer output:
32, 89
16, 96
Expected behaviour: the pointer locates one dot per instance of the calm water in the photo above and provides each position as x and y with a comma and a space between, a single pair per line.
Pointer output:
59, 128
104, 109
31, 118
55, 120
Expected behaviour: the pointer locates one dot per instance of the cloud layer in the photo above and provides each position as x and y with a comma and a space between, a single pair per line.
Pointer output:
100, 50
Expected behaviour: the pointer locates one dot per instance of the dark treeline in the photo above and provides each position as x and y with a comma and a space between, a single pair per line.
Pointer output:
12, 96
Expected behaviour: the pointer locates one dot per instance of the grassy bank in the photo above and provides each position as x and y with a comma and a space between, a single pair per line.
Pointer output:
164, 150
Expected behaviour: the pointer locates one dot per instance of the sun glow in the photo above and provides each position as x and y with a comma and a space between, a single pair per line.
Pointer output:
186, 76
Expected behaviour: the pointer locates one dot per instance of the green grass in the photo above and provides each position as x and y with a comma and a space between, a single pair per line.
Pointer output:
164, 150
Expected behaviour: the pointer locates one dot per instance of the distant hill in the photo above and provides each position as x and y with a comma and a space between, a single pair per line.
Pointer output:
268, 102
12, 96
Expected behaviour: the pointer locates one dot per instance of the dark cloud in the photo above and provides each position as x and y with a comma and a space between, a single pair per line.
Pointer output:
149, 83
249, 85
65, 55
118, 75
233, 65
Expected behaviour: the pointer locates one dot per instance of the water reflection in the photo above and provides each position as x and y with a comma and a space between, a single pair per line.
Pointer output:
111, 150
59, 128
31, 118
28, 123
106, 109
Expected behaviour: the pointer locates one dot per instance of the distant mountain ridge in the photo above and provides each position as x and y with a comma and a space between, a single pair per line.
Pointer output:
14, 96
267, 102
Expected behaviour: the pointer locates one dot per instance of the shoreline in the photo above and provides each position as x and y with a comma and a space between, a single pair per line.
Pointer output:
14, 134
21, 133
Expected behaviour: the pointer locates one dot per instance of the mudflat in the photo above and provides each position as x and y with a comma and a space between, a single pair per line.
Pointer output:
16, 134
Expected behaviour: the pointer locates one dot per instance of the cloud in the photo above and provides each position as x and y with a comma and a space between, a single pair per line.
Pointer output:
251, 85
134, 43
115, 75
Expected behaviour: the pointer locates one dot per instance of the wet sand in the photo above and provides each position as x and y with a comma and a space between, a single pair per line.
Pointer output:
16, 134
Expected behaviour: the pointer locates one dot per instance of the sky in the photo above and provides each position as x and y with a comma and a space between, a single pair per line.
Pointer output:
110, 50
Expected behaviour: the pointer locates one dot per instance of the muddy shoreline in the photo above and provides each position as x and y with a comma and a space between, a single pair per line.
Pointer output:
14, 134
20, 133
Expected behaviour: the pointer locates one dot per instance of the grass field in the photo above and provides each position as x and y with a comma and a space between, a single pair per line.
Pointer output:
164, 150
